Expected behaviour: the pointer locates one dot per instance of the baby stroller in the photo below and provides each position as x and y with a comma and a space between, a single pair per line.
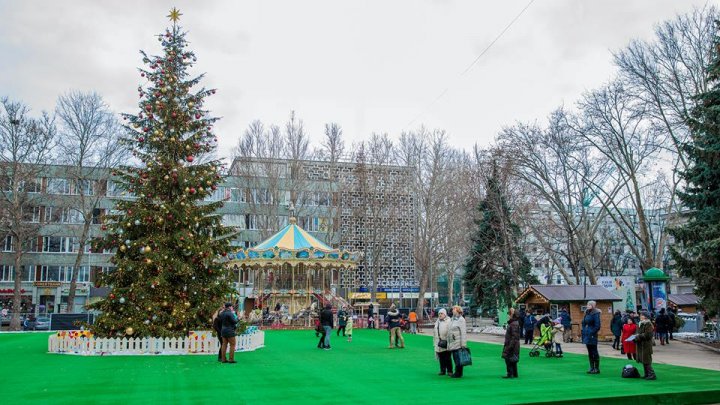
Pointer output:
544, 341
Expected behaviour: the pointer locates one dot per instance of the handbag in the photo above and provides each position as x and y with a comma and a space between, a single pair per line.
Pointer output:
463, 357
442, 343
630, 371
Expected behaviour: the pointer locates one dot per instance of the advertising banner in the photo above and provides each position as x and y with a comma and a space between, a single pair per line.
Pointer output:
624, 288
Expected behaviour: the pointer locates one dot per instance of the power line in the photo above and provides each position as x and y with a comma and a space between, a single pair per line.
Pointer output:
467, 69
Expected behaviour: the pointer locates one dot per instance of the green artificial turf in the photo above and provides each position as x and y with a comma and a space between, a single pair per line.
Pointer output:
290, 369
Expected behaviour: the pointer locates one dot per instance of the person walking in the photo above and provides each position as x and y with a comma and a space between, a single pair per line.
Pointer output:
616, 326
566, 322
393, 322
671, 312
511, 347
326, 320
342, 321
628, 330
229, 321
440, 342
457, 338
590, 329
412, 318
643, 343
529, 326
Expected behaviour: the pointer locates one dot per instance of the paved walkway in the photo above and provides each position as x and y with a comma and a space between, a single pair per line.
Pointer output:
676, 353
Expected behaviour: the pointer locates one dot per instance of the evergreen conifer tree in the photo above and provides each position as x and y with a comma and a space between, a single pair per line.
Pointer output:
496, 265
697, 250
168, 242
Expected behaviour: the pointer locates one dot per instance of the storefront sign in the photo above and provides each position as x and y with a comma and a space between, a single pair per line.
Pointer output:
11, 291
360, 295
47, 284
380, 295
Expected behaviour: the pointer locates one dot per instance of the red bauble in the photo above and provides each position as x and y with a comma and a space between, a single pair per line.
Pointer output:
214, 187
174, 114
141, 139
104, 227
112, 296
146, 129
190, 158
192, 190
197, 116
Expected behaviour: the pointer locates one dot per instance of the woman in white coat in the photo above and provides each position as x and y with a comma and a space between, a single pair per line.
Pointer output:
457, 338
440, 333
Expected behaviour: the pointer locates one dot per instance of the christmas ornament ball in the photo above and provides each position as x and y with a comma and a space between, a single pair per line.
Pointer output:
129, 330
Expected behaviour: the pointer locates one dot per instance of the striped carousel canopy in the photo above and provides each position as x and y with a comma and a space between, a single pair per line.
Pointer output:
292, 245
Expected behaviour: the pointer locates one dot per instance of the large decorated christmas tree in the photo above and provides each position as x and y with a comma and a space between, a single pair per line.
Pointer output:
168, 242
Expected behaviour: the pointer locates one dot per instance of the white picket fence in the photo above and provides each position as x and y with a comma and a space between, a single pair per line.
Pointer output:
199, 342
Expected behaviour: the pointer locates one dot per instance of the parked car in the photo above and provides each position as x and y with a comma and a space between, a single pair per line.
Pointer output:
42, 323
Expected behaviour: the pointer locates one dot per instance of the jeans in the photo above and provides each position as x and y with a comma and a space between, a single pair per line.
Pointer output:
593, 353
413, 327
328, 331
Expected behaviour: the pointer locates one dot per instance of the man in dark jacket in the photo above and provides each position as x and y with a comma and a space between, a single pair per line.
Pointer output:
511, 348
529, 326
228, 331
590, 329
326, 321
662, 323
521, 318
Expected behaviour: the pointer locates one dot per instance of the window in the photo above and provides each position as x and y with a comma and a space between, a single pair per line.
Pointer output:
32, 186
6, 273
262, 196
31, 214
53, 215
71, 216
85, 187
113, 189
58, 186
311, 224
97, 216
66, 273
234, 220
60, 244
47, 273
237, 195
251, 222
7, 245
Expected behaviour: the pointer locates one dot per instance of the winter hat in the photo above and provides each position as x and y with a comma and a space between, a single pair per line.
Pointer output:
442, 311
558, 320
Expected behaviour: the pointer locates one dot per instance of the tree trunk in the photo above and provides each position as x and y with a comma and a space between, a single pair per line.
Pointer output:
17, 293
76, 268
451, 285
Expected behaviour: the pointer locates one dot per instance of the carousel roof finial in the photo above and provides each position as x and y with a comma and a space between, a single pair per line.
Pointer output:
291, 208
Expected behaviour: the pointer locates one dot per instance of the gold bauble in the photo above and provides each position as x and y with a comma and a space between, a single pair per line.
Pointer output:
169, 325
166, 177
147, 249
187, 304
129, 331
160, 220
122, 248
172, 139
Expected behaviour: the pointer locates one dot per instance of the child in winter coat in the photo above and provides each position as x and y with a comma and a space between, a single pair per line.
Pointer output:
558, 330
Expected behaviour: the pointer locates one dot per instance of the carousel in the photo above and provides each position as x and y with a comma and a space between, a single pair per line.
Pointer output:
292, 273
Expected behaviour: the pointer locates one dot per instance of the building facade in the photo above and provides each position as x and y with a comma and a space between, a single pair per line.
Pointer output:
334, 201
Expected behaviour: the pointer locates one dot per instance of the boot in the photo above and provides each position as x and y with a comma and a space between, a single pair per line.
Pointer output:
592, 366
597, 365
649, 372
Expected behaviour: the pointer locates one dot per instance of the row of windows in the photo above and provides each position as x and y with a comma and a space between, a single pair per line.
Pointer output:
50, 244
264, 222
50, 273
56, 185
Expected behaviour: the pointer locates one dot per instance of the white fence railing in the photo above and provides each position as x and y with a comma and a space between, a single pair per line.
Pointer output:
198, 342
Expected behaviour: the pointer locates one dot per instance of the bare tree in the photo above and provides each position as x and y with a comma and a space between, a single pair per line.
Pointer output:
613, 122
25, 151
89, 143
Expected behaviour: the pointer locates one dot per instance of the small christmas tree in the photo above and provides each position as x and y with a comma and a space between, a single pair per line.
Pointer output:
169, 278
697, 253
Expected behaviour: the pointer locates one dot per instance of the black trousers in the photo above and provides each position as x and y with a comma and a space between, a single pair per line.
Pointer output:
341, 328
593, 353
456, 359
529, 336
616, 342
445, 362
511, 368
321, 343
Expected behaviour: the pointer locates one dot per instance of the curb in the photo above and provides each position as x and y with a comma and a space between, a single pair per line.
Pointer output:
704, 346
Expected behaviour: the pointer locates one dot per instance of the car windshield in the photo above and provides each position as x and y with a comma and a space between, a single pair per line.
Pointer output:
43, 319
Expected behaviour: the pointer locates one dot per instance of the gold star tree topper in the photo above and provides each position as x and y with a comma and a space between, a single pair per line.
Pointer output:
174, 15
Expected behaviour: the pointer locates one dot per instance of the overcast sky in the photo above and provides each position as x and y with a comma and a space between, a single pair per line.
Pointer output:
371, 66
